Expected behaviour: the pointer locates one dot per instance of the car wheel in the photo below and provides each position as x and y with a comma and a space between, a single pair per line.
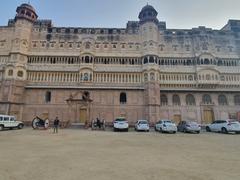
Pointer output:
1, 127
197, 132
20, 126
184, 130
224, 130
208, 129
237, 132
126, 130
174, 132
114, 129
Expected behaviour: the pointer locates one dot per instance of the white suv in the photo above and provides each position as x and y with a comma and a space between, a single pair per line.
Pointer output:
9, 122
224, 126
120, 124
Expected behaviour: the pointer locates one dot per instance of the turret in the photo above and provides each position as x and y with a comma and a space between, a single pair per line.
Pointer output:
149, 30
27, 12
148, 14
24, 20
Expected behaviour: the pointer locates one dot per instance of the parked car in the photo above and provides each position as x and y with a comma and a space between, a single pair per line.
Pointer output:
9, 122
224, 126
166, 126
188, 126
120, 123
142, 125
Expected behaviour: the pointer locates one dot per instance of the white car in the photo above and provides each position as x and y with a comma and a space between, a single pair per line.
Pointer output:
9, 122
224, 126
120, 124
142, 125
166, 126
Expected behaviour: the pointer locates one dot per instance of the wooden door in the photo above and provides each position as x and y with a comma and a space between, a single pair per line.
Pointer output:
177, 118
208, 116
83, 115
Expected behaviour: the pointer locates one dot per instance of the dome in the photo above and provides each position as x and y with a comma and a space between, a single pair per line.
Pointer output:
26, 11
27, 6
148, 8
148, 13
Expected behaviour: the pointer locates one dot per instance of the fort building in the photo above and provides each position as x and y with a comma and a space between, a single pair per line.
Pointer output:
142, 71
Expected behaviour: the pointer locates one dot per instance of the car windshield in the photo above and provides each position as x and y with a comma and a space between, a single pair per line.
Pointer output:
120, 120
143, 122
168, 122
233, 121
192, 123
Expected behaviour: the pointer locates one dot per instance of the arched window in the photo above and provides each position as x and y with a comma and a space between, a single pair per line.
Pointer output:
206, 61
151, 59
164, 100
190, 100
87, 59
207, 99
176, 100
85, 77
10, 72
237, 100
152, 76
20, 73
145, 60
145, 77
123, 98
190, 77
48, 97
222, 100
87, 45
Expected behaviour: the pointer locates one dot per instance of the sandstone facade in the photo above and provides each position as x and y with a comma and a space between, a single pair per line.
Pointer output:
143, 71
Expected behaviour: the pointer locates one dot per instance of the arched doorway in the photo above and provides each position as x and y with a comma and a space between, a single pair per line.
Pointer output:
83, 115
208, 116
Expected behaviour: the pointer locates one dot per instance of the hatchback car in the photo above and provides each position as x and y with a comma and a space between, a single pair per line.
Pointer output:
188, 126
120, 123
166, 126
224, 126
142, 125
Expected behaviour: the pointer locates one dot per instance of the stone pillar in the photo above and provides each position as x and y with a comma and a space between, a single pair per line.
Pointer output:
152, 101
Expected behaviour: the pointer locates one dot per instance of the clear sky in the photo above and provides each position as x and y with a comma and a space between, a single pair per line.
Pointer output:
180, 14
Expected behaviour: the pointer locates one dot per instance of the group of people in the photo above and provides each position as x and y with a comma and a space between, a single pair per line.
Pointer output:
99, 123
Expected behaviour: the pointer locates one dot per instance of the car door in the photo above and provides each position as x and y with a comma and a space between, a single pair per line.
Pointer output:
158, 125
6, 121
213, 126
13, 122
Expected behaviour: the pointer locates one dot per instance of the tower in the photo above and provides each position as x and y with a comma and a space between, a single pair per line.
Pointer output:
149, 35
15, 71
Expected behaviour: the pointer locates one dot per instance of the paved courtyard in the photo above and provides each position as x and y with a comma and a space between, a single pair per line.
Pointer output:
88, 155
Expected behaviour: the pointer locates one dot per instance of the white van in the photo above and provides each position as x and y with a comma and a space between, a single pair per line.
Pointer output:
9, 122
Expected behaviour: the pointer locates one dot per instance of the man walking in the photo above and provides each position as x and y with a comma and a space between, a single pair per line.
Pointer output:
55, 125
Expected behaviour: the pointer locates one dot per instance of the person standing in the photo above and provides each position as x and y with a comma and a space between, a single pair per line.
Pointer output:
55, 125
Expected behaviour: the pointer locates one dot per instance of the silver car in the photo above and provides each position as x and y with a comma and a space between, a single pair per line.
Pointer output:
142, 125
166, 126
189, 126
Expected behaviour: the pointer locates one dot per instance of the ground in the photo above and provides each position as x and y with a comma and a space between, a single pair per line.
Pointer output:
75, 154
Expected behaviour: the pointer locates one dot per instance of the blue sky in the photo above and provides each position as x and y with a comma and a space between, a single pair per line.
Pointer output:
115, 13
